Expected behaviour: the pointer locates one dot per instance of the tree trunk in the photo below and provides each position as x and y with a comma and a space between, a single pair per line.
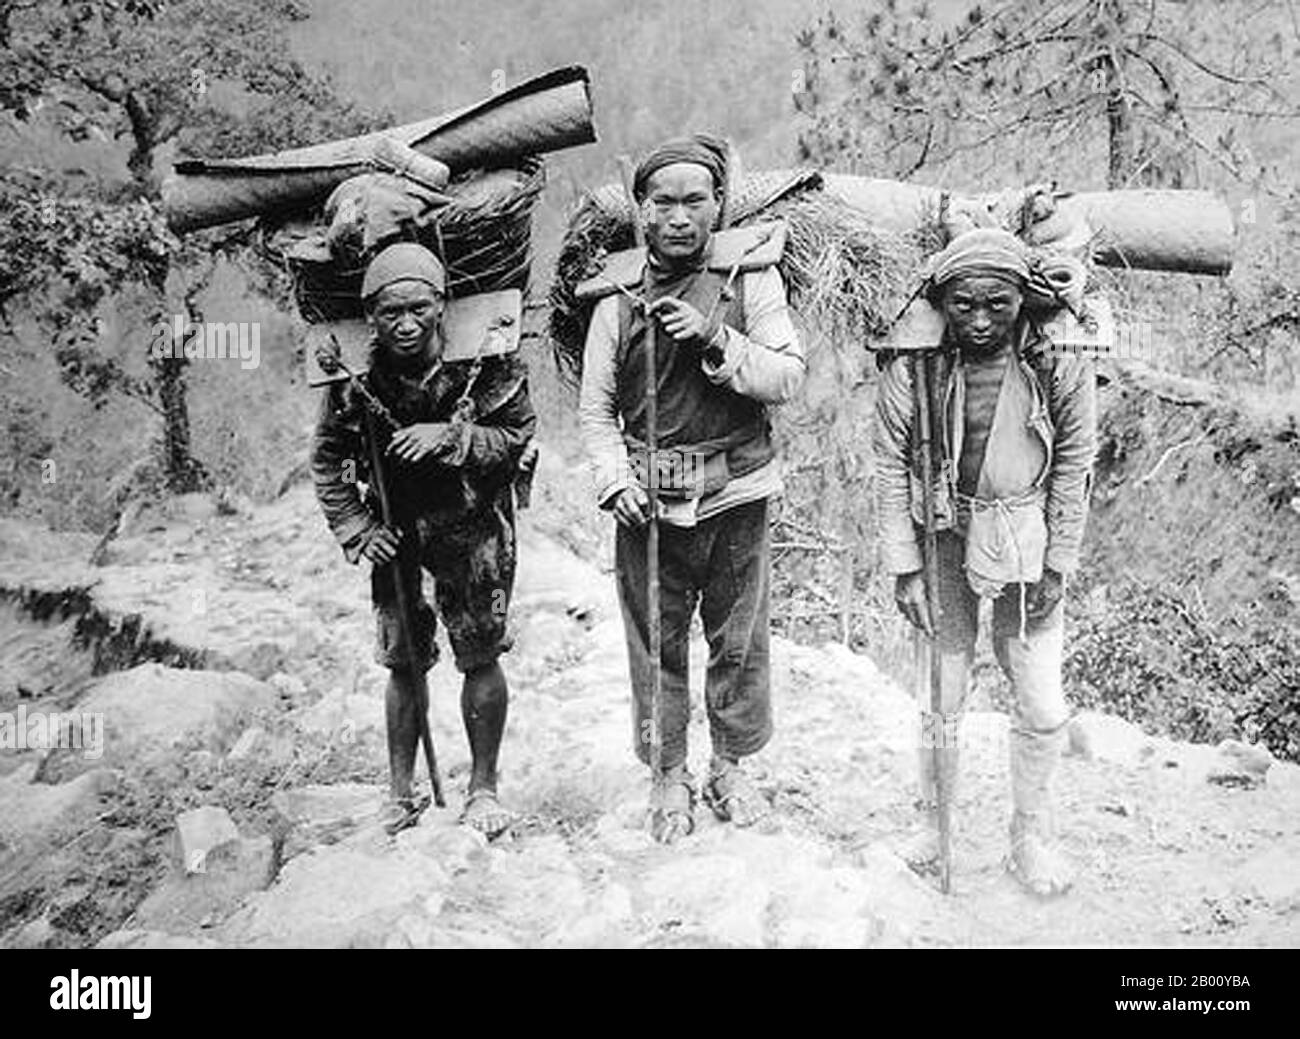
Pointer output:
183, 473
1119, 116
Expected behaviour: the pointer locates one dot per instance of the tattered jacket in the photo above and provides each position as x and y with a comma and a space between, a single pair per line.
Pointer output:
1031, 501
493, 422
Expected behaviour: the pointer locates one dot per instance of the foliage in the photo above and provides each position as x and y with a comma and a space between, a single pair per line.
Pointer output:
1143, 653
74, 255
216, 77
1147, 84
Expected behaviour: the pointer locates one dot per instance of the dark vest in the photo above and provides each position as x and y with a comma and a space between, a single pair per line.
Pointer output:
694, 414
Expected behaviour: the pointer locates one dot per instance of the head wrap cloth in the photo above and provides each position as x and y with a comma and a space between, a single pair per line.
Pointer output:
701, 149
403, 261
1048, 281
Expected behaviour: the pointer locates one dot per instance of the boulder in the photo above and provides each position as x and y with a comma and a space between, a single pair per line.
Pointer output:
335, 897
31, 811
324, 814
1240, 764
189, 901
1104, 737
902, 904
455, 849
150, 709
199, 833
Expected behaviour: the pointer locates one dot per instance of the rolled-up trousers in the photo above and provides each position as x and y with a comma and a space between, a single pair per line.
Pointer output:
1032, 664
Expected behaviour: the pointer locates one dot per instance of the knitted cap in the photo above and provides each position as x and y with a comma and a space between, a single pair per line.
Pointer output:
403, 261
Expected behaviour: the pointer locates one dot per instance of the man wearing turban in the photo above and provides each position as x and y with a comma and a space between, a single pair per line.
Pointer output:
449, 469
721, 359
1014, 437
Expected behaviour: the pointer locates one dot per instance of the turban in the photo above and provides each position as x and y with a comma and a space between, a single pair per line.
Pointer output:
403, 261
701, 149
985, 250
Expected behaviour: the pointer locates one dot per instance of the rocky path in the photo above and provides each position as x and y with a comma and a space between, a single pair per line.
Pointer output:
1176, 844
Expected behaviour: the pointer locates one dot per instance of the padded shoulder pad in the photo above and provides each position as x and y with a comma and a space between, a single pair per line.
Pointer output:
754, 247
486, 324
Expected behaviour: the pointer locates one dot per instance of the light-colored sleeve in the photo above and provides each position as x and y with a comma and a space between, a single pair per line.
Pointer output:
602, 436
767, 363
892, 438
1074, 412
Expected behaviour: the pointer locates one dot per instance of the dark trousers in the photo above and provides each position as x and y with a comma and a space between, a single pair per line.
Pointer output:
723, 565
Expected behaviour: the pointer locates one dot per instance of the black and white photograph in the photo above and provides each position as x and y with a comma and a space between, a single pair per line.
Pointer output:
751, 474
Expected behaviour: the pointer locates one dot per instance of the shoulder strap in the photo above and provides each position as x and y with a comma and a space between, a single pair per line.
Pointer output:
736, 316
1041, 361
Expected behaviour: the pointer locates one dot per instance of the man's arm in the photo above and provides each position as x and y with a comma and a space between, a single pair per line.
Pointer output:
496, 438
891, 440
598, 405
338, 464
1074, 413
766, 363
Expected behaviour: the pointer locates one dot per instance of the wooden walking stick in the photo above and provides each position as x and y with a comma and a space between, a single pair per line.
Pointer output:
930, 573
653, 620
330, 360
404, 619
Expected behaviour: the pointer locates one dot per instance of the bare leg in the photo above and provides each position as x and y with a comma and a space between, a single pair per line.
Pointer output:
406, 691
484, 700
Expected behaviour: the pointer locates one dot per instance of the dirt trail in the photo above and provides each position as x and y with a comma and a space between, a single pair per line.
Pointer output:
1165, 856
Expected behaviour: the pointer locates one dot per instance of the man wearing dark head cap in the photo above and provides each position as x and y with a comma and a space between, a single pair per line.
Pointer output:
449, 471
1014, 436
719, 364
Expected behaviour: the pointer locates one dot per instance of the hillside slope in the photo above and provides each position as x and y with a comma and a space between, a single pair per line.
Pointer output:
1174, 847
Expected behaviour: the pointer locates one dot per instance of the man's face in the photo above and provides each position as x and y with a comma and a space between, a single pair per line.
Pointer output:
682, 205
407, 319
981, 311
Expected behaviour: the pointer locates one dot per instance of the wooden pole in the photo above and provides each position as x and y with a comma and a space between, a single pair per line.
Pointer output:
921, 382
653, 619
404, 618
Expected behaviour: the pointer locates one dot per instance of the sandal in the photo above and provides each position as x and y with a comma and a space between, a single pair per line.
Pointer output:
672, 805
401, 813
483, 812
733, 795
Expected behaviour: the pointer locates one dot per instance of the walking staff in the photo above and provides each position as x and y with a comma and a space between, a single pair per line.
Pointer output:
681, 375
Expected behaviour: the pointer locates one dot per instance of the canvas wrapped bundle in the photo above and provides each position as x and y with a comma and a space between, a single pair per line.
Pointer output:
479, 226
544, 114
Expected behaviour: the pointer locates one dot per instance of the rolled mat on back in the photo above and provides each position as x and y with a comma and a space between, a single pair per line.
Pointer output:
1146, 229
544, 114
856, 244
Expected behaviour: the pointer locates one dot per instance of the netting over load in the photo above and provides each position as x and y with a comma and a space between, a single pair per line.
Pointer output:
480, 227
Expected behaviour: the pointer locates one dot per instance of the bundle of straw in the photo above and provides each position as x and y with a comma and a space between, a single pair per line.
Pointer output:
844, 276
